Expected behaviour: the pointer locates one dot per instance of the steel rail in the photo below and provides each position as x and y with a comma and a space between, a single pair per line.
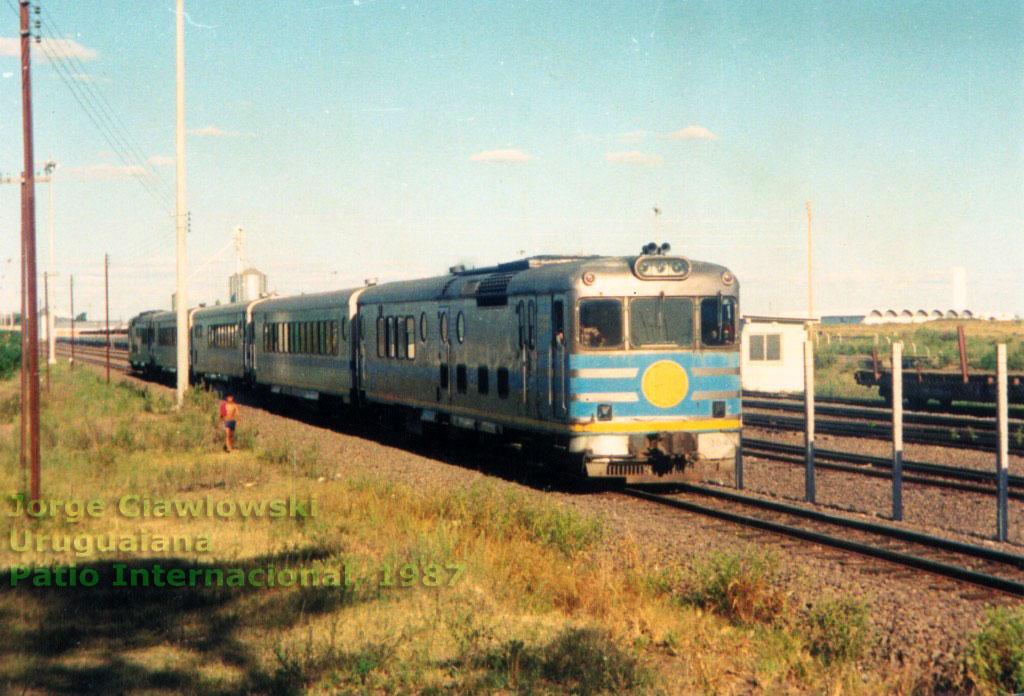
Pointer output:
937, 567
983, 440
882, 415
952, 472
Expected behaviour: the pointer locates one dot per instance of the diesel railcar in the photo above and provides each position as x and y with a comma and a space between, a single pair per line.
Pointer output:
626, 367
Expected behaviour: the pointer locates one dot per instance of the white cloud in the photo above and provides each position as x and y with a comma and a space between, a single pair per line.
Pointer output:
214, 132
693, 133
48, 49
634, 157
501, 156
161, 160
104, 172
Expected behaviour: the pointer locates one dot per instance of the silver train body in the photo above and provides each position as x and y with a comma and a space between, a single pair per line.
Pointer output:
626, 367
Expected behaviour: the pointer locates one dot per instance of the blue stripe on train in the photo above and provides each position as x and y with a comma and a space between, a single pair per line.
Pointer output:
689, 361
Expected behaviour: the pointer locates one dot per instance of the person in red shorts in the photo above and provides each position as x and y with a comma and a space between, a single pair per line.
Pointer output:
229, 417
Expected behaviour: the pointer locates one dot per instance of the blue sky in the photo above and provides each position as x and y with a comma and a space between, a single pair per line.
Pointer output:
394, 139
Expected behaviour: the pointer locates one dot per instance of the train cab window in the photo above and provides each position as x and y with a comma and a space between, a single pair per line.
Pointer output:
718, 321
460, 327
600, 323
460, 378
381, 337
410, 338
483, 384
661, 321
503, 382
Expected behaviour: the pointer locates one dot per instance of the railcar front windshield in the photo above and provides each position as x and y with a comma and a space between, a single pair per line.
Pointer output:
656, 322
600, 323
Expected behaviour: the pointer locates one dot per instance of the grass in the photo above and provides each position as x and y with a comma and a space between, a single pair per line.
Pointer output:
995, 656
475, 589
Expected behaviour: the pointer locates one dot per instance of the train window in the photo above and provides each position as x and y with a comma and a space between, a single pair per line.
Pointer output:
503, 382
423, 326
322, 348
401, 338
521, 316
460, 327
600, 323
557, 323
482, 380
410, 337
334, 336
344, 331
293, 337
392, 339
381, 338
660, 321
460, 378
718, 321
531, 320
444, 327
444, 377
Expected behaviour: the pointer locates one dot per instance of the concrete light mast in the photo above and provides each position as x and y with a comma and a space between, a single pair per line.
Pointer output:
181, 215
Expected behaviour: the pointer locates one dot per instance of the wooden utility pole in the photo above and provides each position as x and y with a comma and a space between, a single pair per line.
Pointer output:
810, 267
106, 303
28, 227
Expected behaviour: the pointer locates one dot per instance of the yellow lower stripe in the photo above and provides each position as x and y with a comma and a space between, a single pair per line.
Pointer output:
655, 426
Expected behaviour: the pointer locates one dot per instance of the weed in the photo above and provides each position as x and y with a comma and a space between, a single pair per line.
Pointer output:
837, 630
741, 586
995, 654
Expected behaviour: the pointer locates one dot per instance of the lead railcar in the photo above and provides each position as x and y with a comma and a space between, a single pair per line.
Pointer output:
627, 367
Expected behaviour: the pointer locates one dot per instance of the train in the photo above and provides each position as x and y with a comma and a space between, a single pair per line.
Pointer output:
625, 368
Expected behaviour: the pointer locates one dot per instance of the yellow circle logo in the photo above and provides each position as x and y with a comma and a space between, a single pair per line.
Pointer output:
665, 383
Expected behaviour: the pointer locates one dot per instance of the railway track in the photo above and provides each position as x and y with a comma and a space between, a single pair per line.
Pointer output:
938, 475
967, 438
976, 411
982, 567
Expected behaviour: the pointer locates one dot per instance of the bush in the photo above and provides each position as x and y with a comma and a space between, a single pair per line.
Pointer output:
741, 586
10, 353
837, 630
995, 654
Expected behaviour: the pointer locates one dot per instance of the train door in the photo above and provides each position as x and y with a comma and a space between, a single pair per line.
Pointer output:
558, 357
445, 357
526, 311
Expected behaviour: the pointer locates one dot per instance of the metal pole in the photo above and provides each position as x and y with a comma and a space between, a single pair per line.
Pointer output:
810, 273
107, 309
961, 342
72, 360
29, 227
809, 417
181, 215
49, 330
739, 462
23, 456
897, 430
106, 302
1003, 455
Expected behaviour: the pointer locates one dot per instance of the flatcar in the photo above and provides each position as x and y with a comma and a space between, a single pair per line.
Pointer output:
625, 367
